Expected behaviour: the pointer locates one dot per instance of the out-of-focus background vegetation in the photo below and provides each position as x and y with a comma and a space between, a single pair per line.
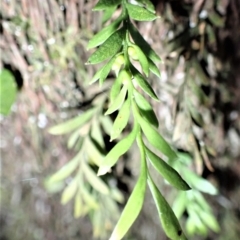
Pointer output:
43, 44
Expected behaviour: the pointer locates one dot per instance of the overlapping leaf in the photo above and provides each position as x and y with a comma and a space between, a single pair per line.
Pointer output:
105, 4
108, 49
170, 174
72, 124
134, 204
168, 219
139, 13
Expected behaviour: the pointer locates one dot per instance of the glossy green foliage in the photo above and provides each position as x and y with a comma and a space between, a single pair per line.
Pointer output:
168, 219
140, 56
117, 103
103, 72
8, 91
140, 41
139, 13
135, 201
121, 119
121, 45
145, 109
142, 82
147, 4
170, 174
119, 149
105, 33
155, 139
108, 49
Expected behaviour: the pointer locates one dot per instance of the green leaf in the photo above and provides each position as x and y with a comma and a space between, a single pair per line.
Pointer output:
180, 204
140, 41
78, 208
153, 68
107, 124
117, 103
121, 119
145, 109
139, 13
73, 123
170, 174
96, 182
168, 219
156, 139
103, 72
88, 198
69, 192
209, 220
108, 13
105, 33
66, 170
96, 133
147, 4
93, 152
106, 70
108, 49
115, 89
142, 59
199, 183
8, 91
141, 81
119, 149
105, 4
134, 204
73, 139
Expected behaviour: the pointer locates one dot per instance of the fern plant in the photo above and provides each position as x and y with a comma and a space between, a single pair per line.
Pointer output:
125, 52
122, 45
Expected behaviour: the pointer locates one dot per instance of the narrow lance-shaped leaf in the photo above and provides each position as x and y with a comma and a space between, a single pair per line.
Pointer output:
78, 205
209, 220
95, 181
139, 13
105, 33
145, 109
153, 68
142, 59
105, 4
199, 183
147, 4
180, 204
88, 197
156, 139
168, 219
135, 201
170, 174
119, 149
117, 103
115, 89
69, 192
108, 49
108, 13
97, 134
140, 41
107, 124
142, 82
121, 119
72, 124
106, 71
66, 170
